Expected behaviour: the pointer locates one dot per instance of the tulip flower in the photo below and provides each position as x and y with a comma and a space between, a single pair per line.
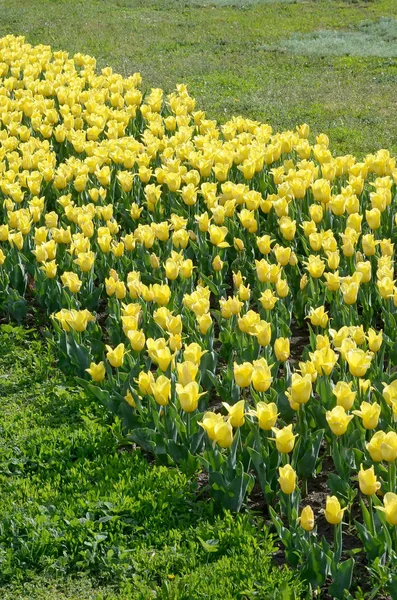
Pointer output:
261, 375
97, 371
243, 374
369, 413
333, 511
193, 353
188, 395
116, 356
367, 481
210, 419
266, 414
287, 479
268, 300
301, 389
223, 433
388, 447
236, 413
282, 349
161, 390
130, 399
389, 508
374, 446
306, 519
374, 340
284, 438
344, 394
338, 420
318, 317
137, 340
358, 361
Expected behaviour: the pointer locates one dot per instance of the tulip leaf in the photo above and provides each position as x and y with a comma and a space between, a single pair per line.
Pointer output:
373, 545
338, 486
342, 578
315, 569
308, 454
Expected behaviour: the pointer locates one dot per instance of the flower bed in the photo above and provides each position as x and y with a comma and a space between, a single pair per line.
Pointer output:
177, 258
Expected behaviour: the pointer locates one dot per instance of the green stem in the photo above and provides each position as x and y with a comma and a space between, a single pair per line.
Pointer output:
371, 514
392, 477
337, 542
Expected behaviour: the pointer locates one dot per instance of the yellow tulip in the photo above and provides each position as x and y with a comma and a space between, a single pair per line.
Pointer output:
333, 511
369, 413
187, 372
318, 317
193, 352
268, 300
217, 236
130, 399
374, 340
282, 349
223, 433
389, 508
217, 263
358, 361
300, 390
236, 413
374, 446
116, 356
97, 371
266, 414
188, 395
210, 419
367, 481
204, 322
388, 447
338, 420
306, 519
261, 375
137, 339
285, 439
287, 479
243, 374
344, 394
161, 390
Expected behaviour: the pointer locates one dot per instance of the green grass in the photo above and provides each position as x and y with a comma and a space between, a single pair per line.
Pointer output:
370, 38
81, 518
219, 50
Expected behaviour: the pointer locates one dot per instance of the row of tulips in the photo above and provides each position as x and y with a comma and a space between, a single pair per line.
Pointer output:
179, 260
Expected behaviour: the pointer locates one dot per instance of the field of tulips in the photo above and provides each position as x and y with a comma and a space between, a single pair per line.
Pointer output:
227, 291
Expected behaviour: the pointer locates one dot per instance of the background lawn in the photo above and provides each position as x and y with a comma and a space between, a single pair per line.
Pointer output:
274, 61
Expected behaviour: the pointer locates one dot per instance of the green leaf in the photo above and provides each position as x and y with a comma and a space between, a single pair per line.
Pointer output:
342, 579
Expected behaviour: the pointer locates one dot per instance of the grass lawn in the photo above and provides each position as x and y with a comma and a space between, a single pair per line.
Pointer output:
237, 56
81, 519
